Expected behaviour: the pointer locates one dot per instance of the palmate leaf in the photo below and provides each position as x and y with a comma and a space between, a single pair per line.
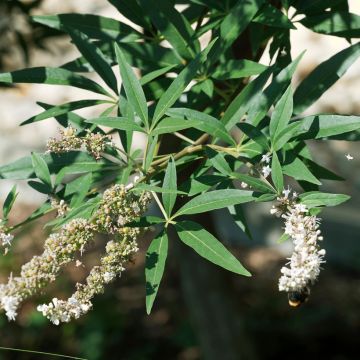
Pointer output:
154, 267
207, 246
216, 199
62, 109
174, 26
52, 76
323, 77
95, 57
178, 86
94, 26
134, 92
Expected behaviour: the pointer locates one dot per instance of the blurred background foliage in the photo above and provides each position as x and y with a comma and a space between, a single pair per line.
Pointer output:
254, 313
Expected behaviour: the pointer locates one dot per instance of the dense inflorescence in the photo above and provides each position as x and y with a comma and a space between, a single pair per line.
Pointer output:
305, 262
5, 237
95, 144
117, 207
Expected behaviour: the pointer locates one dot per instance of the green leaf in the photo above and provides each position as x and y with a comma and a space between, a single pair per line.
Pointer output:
198, 184
94, 26
155, 74
276, 173
170, 125
52, 76
120, 123
78, 188
133, 11
41, 169
215, 200
323, 77
62, 109
95, 57
320, 126
170, 183
218, 161
207, 246
154, 267
299, 171
264, 101
177, 87
206, 123
271, 16
254, 134
9, 202
174, 26
315, 198
285, 135
242, 102
134, 92
152, 143
231, 27
255, 183
141, 187
343, 24
281, 114
237, 213
235, 69
74, 162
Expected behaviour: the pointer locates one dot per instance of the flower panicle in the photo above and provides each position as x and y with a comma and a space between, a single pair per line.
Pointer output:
305, 262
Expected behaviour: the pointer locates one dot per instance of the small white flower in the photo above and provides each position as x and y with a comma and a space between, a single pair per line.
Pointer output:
266, 158
266, 170
349, 157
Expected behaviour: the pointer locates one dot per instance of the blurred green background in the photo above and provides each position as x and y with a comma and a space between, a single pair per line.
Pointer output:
201, 312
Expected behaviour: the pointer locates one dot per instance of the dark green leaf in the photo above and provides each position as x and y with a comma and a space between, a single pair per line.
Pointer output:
116, 123
154, 267
62, 109
207, 246
218, 161
254, 134
281, 115
170, 183
94, 26
276, 173
170, 125
343, 24
179, 84
271, 16
207, 123
134, 92
299, 171
174, 26
323, 77
52, 76
9, 202
238, 215
255, 183
95, 57
315, 198
41, 169
235, 69
215, 200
